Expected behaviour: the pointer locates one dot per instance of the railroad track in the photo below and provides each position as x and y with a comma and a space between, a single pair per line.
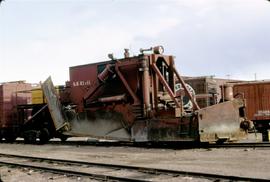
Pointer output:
109, 172
164, 145
170, 145
241, 145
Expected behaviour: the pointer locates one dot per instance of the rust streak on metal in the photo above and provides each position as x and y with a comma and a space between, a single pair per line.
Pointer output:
133, 95
146, 85
113, 98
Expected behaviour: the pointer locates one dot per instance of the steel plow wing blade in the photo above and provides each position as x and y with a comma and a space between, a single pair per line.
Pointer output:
54, 105
221, 122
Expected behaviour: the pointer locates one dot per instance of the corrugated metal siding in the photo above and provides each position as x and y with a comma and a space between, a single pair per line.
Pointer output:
257, 97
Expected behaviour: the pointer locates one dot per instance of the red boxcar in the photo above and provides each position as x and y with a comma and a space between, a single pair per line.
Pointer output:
257, 95
11, 95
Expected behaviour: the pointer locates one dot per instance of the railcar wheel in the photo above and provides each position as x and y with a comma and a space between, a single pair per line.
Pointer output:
265, 136
44, 136
63, 138
221, 141
10, 139
30, 137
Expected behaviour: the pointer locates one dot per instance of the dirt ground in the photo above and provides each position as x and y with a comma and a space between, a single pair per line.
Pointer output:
230, 161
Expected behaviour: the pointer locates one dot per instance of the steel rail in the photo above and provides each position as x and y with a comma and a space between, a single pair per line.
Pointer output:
167, 145
147, 170
161, 145
71, 172
240, 145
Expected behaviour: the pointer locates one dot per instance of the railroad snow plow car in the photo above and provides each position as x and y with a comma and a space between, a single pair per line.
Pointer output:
134, 99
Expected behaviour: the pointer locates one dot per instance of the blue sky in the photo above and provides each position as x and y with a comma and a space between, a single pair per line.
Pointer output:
39, 38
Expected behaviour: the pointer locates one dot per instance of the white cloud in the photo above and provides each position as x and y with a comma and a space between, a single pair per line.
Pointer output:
207, 36
52, 51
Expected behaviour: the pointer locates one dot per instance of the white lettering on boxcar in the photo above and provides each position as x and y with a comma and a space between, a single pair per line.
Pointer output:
81, 83
262, 113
